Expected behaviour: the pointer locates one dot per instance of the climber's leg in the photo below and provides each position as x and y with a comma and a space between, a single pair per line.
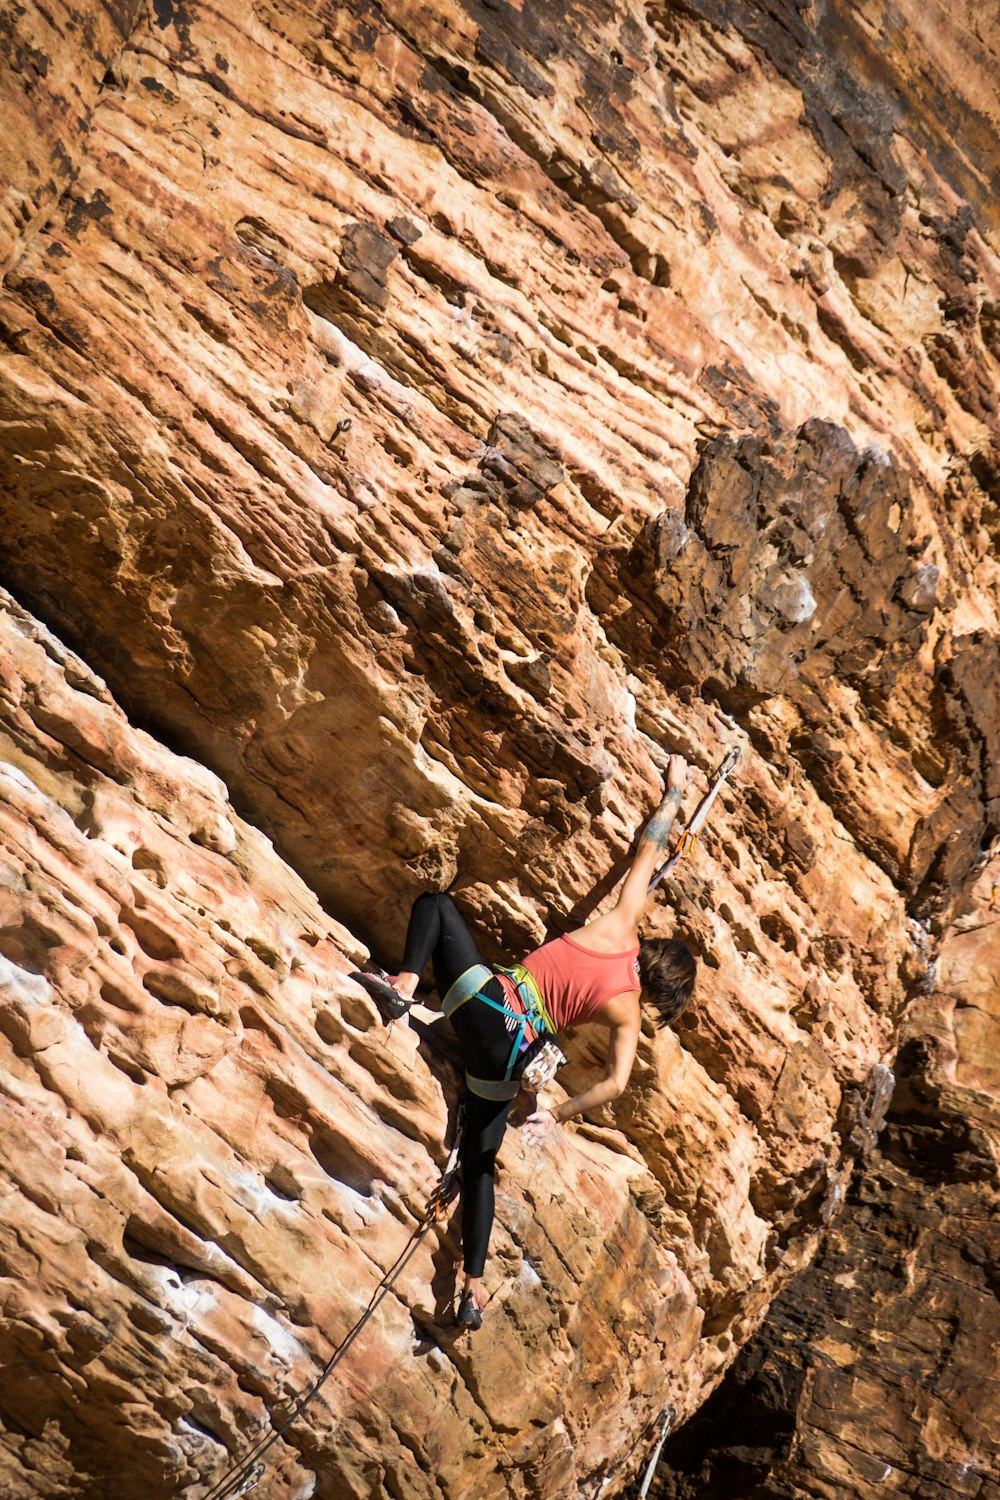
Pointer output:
485, 1122
436, 932
485, 1035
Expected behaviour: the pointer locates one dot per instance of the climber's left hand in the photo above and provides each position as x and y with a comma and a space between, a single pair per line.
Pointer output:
539, 1126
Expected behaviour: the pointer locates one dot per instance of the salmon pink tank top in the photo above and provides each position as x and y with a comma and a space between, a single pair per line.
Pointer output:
575, 982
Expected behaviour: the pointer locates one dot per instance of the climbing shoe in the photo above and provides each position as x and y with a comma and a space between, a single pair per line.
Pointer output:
468, 1315
380, 987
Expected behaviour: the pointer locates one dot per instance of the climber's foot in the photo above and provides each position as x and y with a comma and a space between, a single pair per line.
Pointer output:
379, 985
469, 1315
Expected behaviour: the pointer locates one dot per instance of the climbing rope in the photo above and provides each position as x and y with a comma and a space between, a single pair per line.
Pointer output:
242, 1477
685, 842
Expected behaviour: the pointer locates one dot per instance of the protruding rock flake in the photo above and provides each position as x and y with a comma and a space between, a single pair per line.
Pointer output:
920, 591
416, 422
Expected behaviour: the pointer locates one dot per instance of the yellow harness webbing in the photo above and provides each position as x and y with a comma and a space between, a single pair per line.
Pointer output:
535, 1017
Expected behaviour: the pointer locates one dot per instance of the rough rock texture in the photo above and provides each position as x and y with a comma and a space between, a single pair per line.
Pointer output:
56, 59
536, 266
420, 417
212, 1152
876, 1373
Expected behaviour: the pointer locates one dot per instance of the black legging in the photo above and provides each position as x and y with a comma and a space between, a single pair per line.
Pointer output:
436, 931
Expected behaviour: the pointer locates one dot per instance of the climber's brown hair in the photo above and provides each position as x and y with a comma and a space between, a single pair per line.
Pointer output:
667, 971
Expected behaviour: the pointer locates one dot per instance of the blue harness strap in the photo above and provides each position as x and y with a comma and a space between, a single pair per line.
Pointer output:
465, 986
468, 986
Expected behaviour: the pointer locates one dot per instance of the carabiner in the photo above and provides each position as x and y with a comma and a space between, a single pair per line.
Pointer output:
250, 1480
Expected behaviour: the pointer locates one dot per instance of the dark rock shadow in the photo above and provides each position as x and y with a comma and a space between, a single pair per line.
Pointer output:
439, 1047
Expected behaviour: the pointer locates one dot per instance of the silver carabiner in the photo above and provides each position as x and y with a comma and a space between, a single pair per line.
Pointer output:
668, 1419
250, 1481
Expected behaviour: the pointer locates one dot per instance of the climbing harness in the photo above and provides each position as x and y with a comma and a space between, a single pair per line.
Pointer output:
668, 1419
534, 1018
245, 1475
685, 842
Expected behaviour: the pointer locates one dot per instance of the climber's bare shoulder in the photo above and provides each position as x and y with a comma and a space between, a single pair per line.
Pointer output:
622, 1014
613, 932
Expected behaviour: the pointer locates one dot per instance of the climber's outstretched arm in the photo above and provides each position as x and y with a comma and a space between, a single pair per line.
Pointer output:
615, 930
654, 846
622, 1046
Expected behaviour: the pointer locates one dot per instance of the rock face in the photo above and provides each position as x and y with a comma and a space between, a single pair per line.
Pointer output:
875, 1373
213, 1152
420, 420
56, 65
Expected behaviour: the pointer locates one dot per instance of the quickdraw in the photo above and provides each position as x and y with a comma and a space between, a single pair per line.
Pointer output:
437, 1203
251, 1480
685, 842
668, 1419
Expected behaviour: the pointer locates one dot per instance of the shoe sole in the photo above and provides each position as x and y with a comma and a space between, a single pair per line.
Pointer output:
389, 1003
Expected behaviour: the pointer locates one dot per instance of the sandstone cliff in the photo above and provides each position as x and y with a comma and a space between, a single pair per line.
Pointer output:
420, 417
875, 1373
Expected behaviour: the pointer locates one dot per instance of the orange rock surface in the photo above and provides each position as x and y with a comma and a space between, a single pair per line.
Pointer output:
875, 1373
423, 418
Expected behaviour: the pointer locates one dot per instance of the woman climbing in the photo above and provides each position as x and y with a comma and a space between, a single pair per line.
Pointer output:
600, 972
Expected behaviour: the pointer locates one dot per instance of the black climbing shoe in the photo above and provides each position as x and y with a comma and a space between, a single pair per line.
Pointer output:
391, 1004
468, 1315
